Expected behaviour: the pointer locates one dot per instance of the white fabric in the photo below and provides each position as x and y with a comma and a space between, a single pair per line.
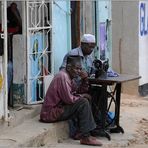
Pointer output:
47, 81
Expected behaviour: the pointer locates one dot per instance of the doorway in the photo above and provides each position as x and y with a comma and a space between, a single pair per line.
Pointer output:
75, 23
29, 56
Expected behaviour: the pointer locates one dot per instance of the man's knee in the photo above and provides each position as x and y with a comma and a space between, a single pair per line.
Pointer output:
84, 101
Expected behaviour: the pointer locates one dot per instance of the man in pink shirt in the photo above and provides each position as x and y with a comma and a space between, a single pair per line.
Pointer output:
62, 102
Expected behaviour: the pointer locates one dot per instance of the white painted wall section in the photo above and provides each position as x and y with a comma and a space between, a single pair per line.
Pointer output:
143, 41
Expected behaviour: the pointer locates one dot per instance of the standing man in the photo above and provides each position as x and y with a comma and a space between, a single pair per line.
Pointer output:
62, 102
88, 43
14, 18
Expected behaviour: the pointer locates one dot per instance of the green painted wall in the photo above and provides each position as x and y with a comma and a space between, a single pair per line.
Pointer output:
61, 39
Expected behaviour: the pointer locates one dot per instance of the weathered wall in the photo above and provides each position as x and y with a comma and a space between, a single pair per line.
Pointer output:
61, 40
87, 17
125, 41
19, 68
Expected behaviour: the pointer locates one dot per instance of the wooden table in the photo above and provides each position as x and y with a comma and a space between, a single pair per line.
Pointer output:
104, 82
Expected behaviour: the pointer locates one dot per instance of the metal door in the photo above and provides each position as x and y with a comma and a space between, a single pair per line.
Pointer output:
39, 45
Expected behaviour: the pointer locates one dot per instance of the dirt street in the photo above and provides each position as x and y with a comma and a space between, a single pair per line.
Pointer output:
134, 120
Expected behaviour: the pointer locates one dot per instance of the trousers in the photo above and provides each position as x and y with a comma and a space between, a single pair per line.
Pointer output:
80, 110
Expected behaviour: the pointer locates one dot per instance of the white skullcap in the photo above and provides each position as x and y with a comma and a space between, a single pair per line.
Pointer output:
88, 38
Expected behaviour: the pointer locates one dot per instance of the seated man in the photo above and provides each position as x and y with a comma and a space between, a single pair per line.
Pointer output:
62, 102
85, 51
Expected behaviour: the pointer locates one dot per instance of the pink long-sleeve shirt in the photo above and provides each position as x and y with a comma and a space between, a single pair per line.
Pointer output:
61, 91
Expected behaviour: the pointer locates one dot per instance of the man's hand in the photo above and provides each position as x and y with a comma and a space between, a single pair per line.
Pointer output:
87, 96
83, 74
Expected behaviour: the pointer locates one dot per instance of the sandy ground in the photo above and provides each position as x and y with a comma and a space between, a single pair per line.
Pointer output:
134, 120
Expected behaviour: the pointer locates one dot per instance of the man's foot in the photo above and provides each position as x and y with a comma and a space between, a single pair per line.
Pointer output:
77, 136
90, 141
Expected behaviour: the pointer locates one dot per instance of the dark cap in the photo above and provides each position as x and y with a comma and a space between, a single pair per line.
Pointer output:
73, 59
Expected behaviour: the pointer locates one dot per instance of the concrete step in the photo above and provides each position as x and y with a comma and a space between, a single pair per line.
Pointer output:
18, 114
32, 133
24, 129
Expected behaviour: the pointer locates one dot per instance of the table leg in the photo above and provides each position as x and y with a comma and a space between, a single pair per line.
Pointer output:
103, 132
118, 128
